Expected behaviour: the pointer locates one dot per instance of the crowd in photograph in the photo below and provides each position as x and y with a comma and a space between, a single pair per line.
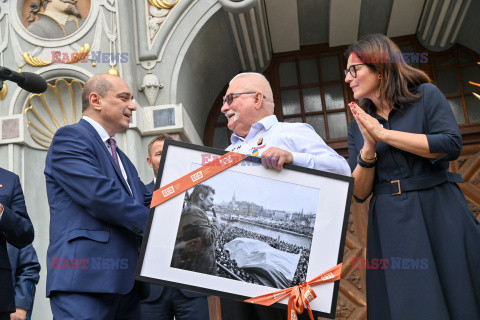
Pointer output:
228, 233
280, 225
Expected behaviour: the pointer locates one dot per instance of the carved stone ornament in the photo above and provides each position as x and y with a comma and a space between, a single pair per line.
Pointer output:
150, 86
3, 91
47, 112
344, 309
159, 10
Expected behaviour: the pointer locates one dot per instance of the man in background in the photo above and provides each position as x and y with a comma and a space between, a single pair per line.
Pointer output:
25, 273
165, 303
16, 229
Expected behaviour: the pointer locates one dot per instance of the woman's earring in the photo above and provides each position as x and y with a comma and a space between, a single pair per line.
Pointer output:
379, 77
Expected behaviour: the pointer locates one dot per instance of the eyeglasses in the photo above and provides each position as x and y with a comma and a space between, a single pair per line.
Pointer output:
229, 97
353, 69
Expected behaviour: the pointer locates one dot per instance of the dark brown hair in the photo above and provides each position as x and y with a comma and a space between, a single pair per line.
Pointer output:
398, 80
200, 189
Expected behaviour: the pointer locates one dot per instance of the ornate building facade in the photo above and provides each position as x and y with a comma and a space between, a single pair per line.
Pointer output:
177, 56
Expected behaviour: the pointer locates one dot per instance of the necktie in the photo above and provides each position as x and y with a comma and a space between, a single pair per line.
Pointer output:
113, 147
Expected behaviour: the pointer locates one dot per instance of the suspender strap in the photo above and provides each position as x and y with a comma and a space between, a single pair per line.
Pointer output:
396, 187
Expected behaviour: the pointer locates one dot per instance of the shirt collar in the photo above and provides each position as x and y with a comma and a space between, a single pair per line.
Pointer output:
266, 123
98, 127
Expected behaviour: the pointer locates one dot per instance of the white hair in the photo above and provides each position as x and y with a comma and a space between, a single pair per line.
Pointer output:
268, 87
256, 74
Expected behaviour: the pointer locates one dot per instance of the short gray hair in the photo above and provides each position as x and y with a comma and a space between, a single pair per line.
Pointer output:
99, 84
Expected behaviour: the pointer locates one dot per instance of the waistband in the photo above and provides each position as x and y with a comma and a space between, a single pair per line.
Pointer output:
397, 187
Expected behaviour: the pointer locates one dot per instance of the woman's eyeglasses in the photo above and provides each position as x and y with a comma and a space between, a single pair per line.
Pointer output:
353, 69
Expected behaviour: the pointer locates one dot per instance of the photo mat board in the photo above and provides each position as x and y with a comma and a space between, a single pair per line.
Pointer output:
248, 231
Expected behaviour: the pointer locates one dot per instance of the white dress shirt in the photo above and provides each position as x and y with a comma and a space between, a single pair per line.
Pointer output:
307, 147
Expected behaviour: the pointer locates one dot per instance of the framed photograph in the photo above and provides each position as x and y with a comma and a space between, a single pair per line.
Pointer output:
246, 231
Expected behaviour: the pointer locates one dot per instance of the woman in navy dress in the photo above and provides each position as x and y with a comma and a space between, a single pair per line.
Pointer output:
400, 143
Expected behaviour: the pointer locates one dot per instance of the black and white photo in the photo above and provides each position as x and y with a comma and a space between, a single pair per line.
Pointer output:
253, 234
247, 231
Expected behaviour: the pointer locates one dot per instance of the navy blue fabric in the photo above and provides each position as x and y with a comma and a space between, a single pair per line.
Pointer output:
15, 228
91, 306
430, 237
96, 223
165, 302
237, 310
26, 274
173, 303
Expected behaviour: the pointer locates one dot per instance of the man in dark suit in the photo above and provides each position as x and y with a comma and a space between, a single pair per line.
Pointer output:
25, 273
164, 303
98, 210
16, 229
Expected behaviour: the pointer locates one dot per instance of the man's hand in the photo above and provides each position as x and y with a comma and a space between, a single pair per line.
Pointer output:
20, 314
276, 158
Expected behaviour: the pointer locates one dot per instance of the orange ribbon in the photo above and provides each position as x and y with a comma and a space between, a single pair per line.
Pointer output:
195, 177
301, 295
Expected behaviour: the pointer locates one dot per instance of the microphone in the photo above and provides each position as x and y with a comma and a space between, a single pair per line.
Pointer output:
26, 80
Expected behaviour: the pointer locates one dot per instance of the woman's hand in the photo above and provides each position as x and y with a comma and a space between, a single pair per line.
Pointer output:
372, 131
370, 141
365, 121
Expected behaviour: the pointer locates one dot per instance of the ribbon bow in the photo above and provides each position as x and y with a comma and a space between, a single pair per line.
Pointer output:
301, 295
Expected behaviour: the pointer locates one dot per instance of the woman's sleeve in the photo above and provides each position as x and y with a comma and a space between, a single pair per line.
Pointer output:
443, 133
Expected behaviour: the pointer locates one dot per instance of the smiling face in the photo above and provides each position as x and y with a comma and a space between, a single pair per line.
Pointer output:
114, 110
366, 82
242, 112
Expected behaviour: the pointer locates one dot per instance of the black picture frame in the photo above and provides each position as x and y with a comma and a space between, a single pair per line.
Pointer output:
330, 220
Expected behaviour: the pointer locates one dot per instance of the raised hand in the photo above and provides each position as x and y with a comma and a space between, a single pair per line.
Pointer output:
366, 124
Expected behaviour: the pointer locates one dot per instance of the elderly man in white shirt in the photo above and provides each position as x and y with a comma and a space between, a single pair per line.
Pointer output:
249, 106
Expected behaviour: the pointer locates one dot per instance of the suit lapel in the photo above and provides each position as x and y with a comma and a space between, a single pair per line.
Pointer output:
124, 160
108, 155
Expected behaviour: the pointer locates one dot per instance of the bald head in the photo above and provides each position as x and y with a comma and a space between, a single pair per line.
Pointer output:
255, 82
100, 84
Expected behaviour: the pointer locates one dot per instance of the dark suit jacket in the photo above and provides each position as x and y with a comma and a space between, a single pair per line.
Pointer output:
95, 221
15, 228
157, 290
25, 273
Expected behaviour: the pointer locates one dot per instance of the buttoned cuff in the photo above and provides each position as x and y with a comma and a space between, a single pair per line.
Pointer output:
300, 159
